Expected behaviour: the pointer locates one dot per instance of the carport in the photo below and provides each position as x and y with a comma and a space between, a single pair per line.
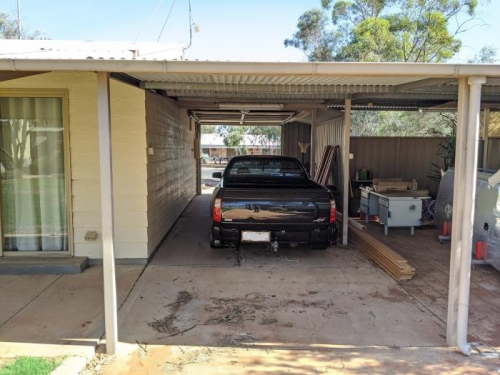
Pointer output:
282, 93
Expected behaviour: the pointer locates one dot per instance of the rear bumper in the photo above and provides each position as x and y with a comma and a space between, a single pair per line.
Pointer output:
312, 234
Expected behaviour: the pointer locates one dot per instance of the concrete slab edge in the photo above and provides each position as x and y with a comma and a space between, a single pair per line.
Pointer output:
71, 366
129, 301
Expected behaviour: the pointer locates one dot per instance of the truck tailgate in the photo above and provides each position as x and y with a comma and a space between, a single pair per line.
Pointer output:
275, 205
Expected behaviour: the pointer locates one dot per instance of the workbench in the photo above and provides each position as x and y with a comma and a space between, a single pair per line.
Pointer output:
394, 208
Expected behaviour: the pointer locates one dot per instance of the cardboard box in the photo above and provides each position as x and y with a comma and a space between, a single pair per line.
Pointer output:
389, 184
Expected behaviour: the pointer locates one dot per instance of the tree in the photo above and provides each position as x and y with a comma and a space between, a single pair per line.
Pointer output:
9, 29
313, 37
487, 55
384, 30
388, 30
209, 129
233, 137
267, 136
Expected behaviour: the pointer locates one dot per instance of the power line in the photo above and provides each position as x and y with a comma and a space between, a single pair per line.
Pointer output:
165, 23
150, 18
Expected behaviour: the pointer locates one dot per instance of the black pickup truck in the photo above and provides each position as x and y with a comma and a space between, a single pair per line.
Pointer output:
270, 199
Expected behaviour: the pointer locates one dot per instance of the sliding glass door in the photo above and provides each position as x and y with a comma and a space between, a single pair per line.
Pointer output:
33, 174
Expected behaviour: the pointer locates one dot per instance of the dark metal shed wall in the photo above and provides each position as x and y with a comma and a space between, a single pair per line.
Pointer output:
493, 161
292, 134
397, 157
386, 157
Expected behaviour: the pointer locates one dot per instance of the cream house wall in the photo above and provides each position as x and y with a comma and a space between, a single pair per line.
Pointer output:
171, 168
128, 115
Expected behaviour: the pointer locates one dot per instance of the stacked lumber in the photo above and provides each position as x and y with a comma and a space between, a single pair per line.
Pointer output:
325, 165
390, 261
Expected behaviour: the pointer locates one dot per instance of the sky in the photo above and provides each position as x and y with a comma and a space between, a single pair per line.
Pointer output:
235, 30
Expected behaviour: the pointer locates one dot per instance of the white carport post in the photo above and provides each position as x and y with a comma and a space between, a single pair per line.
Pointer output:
108, 256
312, 158
486, 136
458, 210
469, 200
345, 170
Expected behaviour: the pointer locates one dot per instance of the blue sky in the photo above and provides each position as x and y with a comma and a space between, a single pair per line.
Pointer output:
238, 30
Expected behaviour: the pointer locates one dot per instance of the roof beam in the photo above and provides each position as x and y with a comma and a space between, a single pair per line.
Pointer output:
423, 83
299, 116
263, 88
7, 76
493, 81
125, 78
257, 97
206, 105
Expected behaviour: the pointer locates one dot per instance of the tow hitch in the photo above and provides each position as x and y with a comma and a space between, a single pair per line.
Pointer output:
274, 246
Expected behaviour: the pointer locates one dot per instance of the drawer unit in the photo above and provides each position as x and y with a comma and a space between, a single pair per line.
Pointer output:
369, 204
400, 212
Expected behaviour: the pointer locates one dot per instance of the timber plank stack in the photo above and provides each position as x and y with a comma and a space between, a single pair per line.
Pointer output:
393, 263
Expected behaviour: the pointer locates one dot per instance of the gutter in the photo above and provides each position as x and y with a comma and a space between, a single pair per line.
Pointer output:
261, 68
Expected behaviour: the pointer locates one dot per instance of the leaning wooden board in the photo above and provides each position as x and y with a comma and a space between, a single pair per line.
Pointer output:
393, 263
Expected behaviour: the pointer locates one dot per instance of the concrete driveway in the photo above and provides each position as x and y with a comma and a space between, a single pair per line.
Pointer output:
56, 315
199, 310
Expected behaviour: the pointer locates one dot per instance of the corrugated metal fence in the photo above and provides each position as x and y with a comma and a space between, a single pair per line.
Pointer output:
385, 157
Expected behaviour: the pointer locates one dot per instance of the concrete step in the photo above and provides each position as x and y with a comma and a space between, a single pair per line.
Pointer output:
42, 265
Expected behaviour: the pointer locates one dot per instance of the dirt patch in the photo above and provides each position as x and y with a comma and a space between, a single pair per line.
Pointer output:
166, 325
187, 358
183, 297
233, 311
95, 365
393, 295
237, 340
268, 321
304, 304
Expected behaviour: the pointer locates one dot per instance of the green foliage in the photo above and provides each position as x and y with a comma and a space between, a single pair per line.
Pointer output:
30, 366
267, 136
372, 40
209, 129
313, 38
233, 136
446, 149
487, 55
384, 30
9, 29
407, 124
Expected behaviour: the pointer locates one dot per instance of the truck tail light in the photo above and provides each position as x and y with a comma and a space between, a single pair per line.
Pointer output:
217, 210
333, 211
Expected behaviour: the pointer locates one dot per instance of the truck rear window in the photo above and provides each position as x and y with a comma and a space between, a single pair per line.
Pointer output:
265, 168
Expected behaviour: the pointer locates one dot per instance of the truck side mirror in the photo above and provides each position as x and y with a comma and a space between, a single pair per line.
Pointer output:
217, 175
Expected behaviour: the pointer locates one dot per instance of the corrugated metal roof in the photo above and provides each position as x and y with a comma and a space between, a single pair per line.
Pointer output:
298, 87
71, 49
158, 79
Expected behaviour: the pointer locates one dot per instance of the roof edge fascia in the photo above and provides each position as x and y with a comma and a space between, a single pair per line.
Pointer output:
254, 68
